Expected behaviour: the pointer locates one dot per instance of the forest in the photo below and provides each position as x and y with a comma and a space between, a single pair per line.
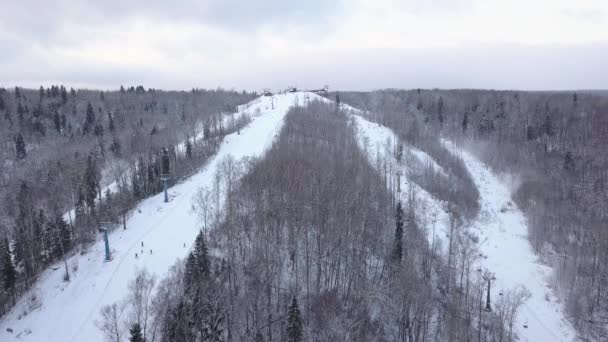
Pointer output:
314, 240
551, 147
311, 246
74, 160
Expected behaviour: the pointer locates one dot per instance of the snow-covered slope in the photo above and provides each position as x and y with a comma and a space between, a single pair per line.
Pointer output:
502, 229
509, 255
378, 141
501, 226
68, 311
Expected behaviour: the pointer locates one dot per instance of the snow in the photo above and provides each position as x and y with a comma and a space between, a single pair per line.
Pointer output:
511, 258
373, 139
501, 227
68, 311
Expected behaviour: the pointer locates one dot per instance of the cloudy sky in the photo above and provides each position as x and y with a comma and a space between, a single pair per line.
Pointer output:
355, 45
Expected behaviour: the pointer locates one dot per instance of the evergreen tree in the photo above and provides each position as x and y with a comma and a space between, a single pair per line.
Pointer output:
295, 330
57, 122
64, 95
440, 110
20, 114
111, 122
201, 255
548, 125
38, 240
337, 101
191, 276
80, 208
91, 183
399, 153
166, 162
397, 253
136, 334
8, 117
89, 121
188, 148
62, 230
259, 337
20, 146
465, 121
9, 274
98, 130
23, 237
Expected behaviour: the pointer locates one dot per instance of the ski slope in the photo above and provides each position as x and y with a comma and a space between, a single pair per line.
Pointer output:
501, 226
377, 141
68, 311
509, 255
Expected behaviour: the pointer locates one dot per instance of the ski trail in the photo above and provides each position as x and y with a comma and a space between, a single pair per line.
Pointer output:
68, 311
500, 224
511, 257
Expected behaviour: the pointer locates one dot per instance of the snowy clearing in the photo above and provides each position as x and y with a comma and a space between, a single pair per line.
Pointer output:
509, 255
68, 311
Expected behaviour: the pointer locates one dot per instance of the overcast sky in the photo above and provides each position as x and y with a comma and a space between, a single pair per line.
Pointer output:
354, 45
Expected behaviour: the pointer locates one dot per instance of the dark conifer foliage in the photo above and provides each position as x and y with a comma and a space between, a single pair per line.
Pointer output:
20, 146
135, 333
397, 253
294, 329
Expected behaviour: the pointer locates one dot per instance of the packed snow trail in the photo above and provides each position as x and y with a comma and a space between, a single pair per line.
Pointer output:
501, 226
68, 311
509, 255
377, 142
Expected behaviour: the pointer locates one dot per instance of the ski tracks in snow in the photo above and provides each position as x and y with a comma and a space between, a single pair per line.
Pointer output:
509, 255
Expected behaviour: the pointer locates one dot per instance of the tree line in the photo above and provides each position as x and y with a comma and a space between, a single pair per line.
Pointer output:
553, 143
310, 246
72, 159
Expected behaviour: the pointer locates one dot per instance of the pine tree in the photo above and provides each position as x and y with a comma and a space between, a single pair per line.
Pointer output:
399, 153
440, 110
38, 240
337, 101
259, 337
23, 236
62, 236
80, 209
202, 255
191, 276
9, 274
20, 147
166, 162
8, 117
111, 122
57, 122
64, 95
188, 148
136, 334
91, 183
295, 330
89, 121
397, 253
